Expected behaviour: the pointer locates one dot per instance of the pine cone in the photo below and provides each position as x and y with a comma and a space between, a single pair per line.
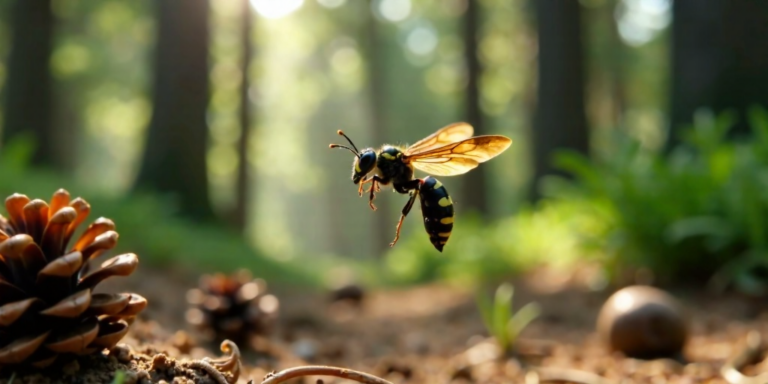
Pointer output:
47, 305
233, 307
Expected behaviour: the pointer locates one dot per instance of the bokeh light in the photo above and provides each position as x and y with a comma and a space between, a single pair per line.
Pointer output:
392, 10
331, 3
275, 9
639, 21
422, 40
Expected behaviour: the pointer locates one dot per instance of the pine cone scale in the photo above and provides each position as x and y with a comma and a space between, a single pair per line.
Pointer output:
36, 218
11, 312
108, 303
14, 204
53, 236
100, 226
72, 306
21, 349
75, 339
122, 265
110, 334
135, 305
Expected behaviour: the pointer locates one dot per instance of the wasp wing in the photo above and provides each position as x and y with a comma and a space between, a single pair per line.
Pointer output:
460, 157
449, 134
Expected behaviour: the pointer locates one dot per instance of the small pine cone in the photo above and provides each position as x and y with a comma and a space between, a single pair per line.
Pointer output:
47, 305
233, 307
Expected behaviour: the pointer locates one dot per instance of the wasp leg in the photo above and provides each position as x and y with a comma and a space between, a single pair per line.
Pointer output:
413, 187
375, 187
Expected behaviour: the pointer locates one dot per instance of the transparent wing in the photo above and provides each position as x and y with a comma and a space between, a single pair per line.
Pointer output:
449, 134
460, 157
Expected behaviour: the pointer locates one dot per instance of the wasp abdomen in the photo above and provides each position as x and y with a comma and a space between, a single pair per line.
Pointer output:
437, 209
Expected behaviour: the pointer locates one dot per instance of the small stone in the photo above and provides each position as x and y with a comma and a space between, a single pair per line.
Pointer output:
305, 349
643, 322
160, 362
121, 352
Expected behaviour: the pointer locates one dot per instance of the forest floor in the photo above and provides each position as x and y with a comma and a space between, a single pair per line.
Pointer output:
420, 335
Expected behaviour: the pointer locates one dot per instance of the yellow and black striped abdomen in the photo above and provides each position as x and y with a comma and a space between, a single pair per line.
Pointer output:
437, 209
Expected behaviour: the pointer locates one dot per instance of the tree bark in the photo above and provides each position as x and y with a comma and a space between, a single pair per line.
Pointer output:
719, 60
28, 100
174, 159
560, 119
242, 205
475, 189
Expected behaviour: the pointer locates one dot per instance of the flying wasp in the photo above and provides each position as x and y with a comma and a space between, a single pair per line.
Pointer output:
450, 151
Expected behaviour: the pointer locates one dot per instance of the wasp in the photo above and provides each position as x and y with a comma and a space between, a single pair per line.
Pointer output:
450, 151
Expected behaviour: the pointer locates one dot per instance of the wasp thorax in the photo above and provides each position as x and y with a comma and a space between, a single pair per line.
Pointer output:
363, 164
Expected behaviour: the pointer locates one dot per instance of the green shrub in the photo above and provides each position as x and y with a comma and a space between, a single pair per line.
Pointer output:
696, 213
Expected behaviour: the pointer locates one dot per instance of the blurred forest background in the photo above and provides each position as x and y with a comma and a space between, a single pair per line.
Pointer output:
202, 128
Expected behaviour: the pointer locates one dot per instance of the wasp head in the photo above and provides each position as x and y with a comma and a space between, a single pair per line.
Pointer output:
365, 160
363, 164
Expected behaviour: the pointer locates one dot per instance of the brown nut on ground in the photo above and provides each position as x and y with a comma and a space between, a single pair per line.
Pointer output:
643, 322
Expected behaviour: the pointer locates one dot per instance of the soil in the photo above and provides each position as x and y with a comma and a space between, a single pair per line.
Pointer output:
425, 334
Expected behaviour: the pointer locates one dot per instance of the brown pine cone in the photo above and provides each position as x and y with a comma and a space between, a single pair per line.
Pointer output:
233, 307
47, 305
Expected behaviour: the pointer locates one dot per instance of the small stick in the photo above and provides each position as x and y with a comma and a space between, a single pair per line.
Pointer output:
209, 369
322, 370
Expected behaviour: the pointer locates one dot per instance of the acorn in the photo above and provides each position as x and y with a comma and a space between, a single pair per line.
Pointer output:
643, 322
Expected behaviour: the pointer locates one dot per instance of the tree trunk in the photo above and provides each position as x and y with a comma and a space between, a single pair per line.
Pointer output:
719, 60
560, 120
383, 225
28, 100
242, 205
175, 153
475, 193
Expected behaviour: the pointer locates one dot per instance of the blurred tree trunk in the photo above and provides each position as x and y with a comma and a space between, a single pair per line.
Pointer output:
560, 119
383, 225
175, 152
28, 100
475, 193
719, 60
242, 206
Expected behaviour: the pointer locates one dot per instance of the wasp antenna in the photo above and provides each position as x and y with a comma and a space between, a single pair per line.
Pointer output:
345, 147
350, 141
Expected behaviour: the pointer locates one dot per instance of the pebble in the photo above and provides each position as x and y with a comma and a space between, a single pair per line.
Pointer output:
305, 348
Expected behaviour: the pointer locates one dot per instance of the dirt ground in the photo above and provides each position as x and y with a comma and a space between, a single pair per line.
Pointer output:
419, 335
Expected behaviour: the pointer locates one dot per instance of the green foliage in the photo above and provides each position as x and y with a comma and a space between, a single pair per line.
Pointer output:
697, 212
119, 377
502, 324
149, 226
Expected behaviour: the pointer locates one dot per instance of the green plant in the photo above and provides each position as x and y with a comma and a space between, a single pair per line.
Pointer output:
119, 377
692, 214
502, 323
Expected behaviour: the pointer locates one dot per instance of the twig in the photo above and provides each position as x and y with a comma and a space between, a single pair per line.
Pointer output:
209, 369
752, 350
322, 370
215, 367
229, 363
